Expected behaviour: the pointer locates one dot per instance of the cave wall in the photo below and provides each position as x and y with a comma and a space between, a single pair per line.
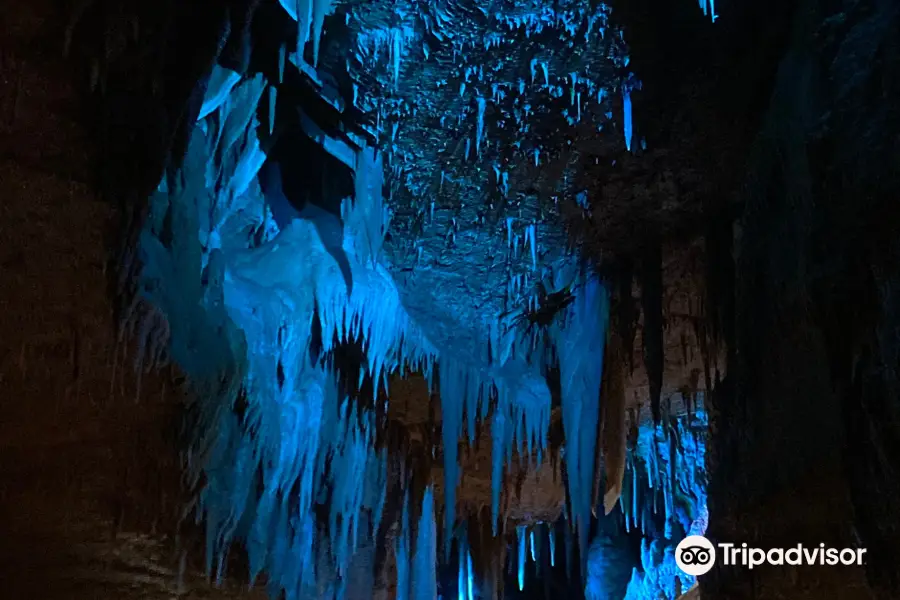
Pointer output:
785, 107
90, 477
804, 425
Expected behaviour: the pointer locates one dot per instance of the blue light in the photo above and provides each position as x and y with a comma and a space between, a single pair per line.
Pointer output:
255, 284
655, 490
520, 555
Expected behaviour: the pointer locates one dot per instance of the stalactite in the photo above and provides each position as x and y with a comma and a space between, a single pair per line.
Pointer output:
461, 582
321, 8
500, 436
424, 578
626, 117
651, 301
402, 544
664, 486
719, 300
470, 577
613, 436
551, 535
453, 397
464, 569
532, 546
581, 348
626, 313
522, 540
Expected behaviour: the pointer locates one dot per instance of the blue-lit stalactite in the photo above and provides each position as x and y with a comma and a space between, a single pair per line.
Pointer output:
631, 552
252, 305
709, 9
664, 500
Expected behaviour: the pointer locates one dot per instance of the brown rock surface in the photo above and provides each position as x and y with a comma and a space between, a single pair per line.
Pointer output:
89, 476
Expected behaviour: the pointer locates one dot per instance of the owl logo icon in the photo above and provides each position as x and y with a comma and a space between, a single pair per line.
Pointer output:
695, 555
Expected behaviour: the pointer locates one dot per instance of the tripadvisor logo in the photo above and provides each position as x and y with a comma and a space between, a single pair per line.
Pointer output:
696, 555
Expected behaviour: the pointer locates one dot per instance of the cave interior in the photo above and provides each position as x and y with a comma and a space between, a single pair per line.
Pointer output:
473, 298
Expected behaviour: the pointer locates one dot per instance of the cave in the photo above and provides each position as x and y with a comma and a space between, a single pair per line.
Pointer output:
509, 299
